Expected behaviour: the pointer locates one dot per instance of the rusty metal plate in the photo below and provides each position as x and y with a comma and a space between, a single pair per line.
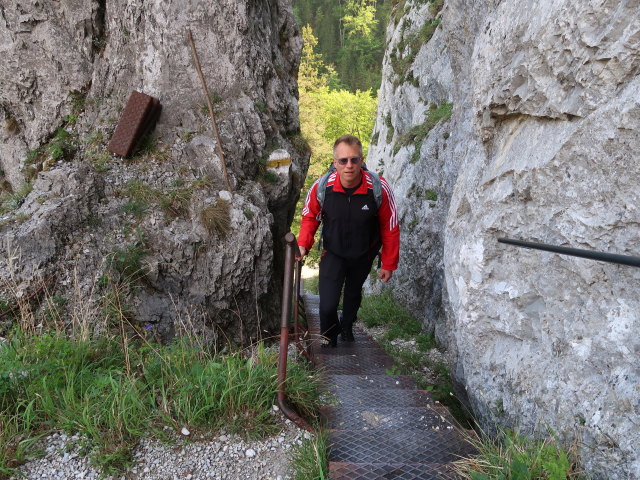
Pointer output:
385, 418
381, 397
403, 446
350, 471
138, 116
370, 381
355, 364
349, 349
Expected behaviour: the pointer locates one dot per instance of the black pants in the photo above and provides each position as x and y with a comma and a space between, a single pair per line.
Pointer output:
334, 273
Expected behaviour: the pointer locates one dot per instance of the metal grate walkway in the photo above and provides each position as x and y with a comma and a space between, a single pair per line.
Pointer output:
380, 425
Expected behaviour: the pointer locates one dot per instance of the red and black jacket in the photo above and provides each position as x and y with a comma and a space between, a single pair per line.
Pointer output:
353, 226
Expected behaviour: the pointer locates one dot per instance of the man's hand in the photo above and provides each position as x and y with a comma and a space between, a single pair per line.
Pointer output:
385, 275
303, 253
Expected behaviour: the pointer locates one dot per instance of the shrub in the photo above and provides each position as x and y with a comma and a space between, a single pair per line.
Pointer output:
63, 145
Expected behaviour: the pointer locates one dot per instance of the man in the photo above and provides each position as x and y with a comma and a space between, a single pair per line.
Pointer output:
354, 229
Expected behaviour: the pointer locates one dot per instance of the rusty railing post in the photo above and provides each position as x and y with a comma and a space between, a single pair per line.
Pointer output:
291, 248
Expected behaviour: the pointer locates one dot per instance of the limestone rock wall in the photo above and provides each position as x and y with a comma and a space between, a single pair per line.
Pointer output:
541, 145
184, 252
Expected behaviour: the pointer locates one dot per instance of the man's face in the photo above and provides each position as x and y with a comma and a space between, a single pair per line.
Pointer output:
350, 173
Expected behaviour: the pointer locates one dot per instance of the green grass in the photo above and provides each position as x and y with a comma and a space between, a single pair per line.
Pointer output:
136, 208
149, 148
174, 201
436, 7
382, 310
12, 201
511, 455
96, 152
216, 101
311, 284
417, 134
310, 460
402, 58
63, 145
268, 176
431, 195
78, 101
127, 261
428, 29
114, 393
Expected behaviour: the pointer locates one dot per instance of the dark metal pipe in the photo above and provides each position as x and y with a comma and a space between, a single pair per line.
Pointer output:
287, 289
577, 252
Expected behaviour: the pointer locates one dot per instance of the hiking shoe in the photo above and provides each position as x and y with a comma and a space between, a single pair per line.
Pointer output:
329, 343
347, 334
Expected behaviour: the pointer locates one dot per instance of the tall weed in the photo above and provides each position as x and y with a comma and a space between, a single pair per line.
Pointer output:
311, 458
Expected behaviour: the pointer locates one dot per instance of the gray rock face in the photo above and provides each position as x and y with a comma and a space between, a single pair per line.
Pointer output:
542, 145
184, 253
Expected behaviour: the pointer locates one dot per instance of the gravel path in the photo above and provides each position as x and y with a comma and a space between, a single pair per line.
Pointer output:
223, 457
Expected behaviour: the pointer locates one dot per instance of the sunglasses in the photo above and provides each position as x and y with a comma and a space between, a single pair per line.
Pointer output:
344, 161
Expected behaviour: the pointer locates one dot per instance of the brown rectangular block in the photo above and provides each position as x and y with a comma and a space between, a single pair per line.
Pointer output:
149, 124
140, 112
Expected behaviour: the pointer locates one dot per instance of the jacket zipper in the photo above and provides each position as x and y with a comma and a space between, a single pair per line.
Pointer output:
349, 221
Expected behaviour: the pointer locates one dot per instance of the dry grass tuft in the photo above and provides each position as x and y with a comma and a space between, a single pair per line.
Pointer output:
217, 217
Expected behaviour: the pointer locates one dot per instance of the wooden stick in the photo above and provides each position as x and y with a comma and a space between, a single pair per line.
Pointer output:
213, 118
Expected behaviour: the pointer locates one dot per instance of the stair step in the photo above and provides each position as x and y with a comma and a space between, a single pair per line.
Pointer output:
391, 471
369, 381
384, 397
355, 364
397, 446
385, 418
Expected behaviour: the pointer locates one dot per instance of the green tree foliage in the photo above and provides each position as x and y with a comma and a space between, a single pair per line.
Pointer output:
359, 19
350, 36
327, 113
358, 61
345, 112
313, 74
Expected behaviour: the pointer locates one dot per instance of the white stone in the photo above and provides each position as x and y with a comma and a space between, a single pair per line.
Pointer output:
225, 195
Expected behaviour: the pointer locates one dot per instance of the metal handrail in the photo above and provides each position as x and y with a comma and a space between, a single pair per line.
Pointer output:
577, 252
291, 249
